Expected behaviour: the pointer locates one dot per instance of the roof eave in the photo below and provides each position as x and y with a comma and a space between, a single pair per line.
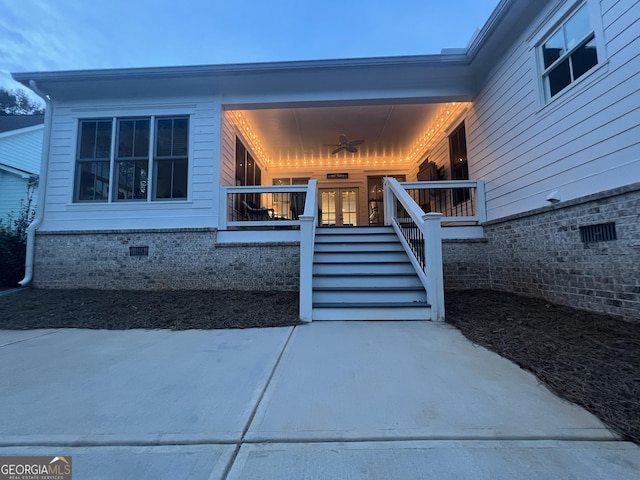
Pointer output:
238, 69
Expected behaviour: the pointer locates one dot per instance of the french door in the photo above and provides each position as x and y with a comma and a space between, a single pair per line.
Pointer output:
339, 207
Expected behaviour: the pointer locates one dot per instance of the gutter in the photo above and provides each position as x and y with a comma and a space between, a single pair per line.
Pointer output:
44, 167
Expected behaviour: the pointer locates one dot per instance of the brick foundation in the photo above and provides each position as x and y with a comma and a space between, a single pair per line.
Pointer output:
177, 259
541, 254
538, 253
465, 264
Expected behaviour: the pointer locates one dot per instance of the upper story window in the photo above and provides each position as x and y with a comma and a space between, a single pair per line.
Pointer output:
569, 52
116, 155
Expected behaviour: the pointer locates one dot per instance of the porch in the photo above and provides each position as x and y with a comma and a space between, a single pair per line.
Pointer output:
418, 215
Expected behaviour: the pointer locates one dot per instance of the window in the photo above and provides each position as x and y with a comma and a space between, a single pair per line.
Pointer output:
93, 159
247, 170
171, 157
459, 165
458, 154
131, 158
568, 53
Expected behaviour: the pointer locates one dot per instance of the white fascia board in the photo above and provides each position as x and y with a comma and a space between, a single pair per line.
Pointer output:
18, 131
17, 171
240, 68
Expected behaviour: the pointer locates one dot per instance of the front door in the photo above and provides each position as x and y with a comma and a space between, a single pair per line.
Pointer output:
339, 207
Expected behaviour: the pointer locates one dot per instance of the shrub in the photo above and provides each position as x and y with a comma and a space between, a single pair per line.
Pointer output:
13, 241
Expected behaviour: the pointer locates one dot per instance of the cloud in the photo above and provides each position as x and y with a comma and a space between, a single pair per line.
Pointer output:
45, 35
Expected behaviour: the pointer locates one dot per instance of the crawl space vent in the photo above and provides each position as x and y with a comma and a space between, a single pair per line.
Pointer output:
603, 232
138, 251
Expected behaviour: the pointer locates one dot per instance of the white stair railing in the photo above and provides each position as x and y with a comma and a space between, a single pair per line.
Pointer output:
421, 235
308, 221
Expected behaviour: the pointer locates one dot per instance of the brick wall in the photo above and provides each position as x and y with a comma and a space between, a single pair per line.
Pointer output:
541, 253
177, 259
465, 264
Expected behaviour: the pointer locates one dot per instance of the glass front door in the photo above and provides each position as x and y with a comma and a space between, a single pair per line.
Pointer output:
339, 207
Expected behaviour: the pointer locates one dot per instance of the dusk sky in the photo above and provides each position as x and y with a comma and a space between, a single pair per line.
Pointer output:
46, 35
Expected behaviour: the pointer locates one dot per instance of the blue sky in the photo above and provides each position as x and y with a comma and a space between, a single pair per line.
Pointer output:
45, 35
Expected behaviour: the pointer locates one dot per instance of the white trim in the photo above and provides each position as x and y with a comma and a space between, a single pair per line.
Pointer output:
126, 111
551, 24
17, 171
18, 131
257, 236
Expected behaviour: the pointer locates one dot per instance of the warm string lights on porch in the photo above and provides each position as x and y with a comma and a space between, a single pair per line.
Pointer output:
435, 131
250, 135
432, 133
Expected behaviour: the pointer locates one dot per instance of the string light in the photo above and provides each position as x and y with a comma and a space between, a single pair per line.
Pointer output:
433, 133
421, 146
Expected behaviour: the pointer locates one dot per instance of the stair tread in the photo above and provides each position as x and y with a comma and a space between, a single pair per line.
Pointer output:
367, 275
369, 289
371, 305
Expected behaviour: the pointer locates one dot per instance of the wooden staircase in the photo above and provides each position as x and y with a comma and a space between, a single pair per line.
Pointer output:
363, 273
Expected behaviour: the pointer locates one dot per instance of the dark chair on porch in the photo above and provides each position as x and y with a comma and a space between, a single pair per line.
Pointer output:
256, 213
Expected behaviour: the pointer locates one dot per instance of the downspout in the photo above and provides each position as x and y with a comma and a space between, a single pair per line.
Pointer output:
42, 186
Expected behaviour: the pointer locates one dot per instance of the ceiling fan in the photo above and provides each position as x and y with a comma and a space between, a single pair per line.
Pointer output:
345, 144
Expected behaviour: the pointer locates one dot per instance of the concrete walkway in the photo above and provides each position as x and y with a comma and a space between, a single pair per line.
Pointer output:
326, 400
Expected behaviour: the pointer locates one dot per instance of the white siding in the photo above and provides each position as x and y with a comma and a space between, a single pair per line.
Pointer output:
228, 151
22, 149
13, 191
198, 211
229, 132
585, 140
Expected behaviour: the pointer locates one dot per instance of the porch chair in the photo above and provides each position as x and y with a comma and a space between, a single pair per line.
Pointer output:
256, 213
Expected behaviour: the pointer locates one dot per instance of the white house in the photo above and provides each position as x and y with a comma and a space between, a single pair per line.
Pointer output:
20, 155
527, 142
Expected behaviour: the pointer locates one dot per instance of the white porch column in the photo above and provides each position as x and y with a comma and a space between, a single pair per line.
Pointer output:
307, 240
434, 271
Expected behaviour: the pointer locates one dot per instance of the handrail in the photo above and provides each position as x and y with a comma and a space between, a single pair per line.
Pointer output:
226, 204
421, 237
459, 201
308, 224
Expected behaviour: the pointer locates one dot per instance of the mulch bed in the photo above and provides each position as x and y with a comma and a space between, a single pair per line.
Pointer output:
589, 359
126, 309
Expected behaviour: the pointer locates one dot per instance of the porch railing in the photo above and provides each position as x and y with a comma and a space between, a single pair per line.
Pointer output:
262, 206
459, 201
421, 235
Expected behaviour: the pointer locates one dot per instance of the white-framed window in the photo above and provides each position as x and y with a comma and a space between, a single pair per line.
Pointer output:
93, 160
568, 51
132, 159
116, 155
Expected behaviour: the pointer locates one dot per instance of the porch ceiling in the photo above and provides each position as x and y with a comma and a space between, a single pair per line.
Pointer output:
296, 137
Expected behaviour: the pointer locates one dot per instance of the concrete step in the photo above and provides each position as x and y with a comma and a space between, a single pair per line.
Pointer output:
366, 280
351, 295
393, 246
361, 257
365, 268
371, 311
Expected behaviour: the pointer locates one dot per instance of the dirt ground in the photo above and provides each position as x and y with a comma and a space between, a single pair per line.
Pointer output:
589, 359
126, 309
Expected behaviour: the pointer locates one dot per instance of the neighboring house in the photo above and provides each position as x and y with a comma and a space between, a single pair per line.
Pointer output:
20, 156
530, 139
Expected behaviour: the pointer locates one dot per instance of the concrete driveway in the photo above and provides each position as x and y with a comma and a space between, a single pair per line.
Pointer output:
326, 400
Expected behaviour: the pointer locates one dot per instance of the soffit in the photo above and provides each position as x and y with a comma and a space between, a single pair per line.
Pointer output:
395, 134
